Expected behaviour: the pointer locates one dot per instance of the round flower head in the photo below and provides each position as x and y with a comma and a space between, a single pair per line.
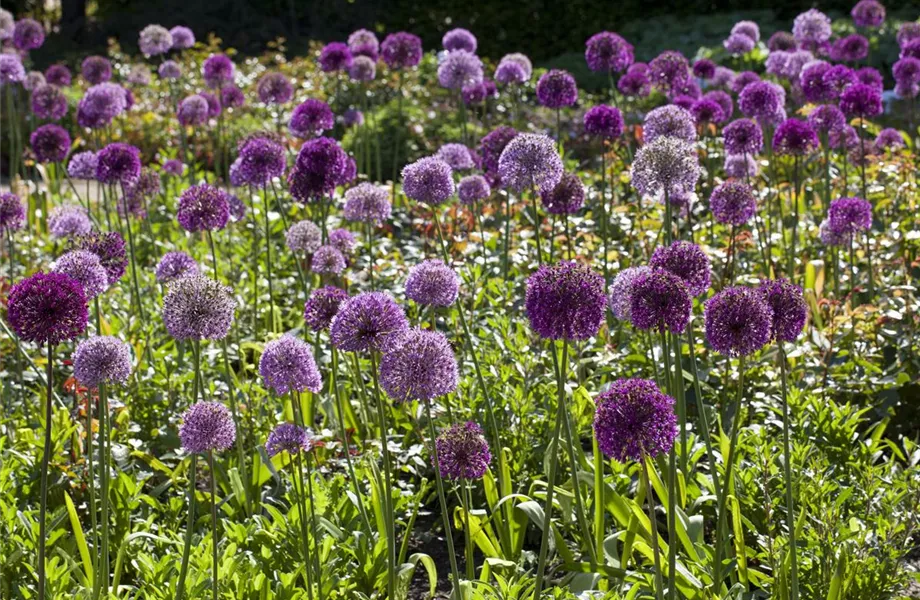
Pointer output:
401, 50
742, 136
28, 34
96, 69
760, 99
660, 300
459, 69
861, 100
665, 166
812, 80
303, 237
747, 28
557, 89
231, 96
492, 145
362, 68
367, 203
321, 165
47, 308
352, 117
49, 102
261, 160
50, 143
364, 43
203, 207
110, 248
604, 121
565, 301
7, 24
472, 189
174, 167
367, 322
740, 166
118, 163
826, 119
828, 236
669, 121
69, 221
907, 32
636, 83
634, 419
687, 261
213, 101
903, 90
786, 301
274, 88
619, 298
217, 71
459, 39
328, 260
429, 180
12, 213
335, 57
310, 118
607, 52
175, 265
287, 365
322, 305
344, 241
811, 28
102, 359
706, 110
724, 100
733, 203
838, 78
704, 68
738, 321
182, 37
457, 156
795, 137
287, 437
510, 73
868, 13
33, 80
849, 216
669, 69
742, 80
889, 139
463, 452
566, 198
530, 160
432, 283
206, 427
738, 44
419, 365
193, 110
850, 48
199, 308
870, 76
85, 268
11, 69
683, 101
154, 40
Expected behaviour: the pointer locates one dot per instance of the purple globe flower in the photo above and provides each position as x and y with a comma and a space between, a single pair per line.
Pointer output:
199, 308
510, 73
665, 166
838, 78
557, 89
861, 100
826, 118
733, 203
84, 267
50, 143
367, 203
362, 68
738, 321
207, 427
367, 322
850, 48
870, 76
828, 236
748, 28
261, 160
849, 216
287, 365
310, 118
214, 107
724, 100
28, 34
684, 102
889, 139
786, 301
7, 24
401, 50
49, 102
459, 69
789, 65
687, 261
335, 57
635, 83
608, 52
669, 69
118, 163
344, 241
492, 145
11, 69
231, 96
782, 41
742, 80
619, 297
101, 360
321, 165
58, 75
203, 207
193, 111
565, 301
660, 300
100, 105
432, 283
364, 43
419, 365
33, 80
669, 121
740, 166
812, 80
12, 213
459, 39
174, 167
530, 160
110, 248
69, 221
463, 452
303, 237
182, 37
604, 121
175, 265
287, 437
760, 99
322, 305
742, 136
217, 71
457, 156
707, 111
96, 69
154, 40
327, 260
634, 419
795, 137
472, 189
476, 94
868, 13
47, 308
704, 68
908, 32
738, 44
429, 180
811, 28
274, 88
566, 198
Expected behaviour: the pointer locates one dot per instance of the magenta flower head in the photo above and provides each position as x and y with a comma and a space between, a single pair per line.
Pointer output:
812, 80
198, 308
826, 119
363, 68
322, 305
687, 261
102, 359
492, 145
530, 160
328, 260
473, 188
619, 298
96, 69
476, 94
401, 50
634, 419
50, 143
460, 69
367, 203
231, 97
557, 89
907, 32
182, 37
811, 28
669, 121
565, 301
335, 57
175, 265
118, 163
510, 73
69, 221
704, 68
608, 52
706, 110
838, 78
84, 267
604, 121
849, 216
155, 40
418, 365
861, 100
49, 102
733, 203
274, 88
303, 237
174, 167
742, 136
58, 75
12, 213
660, 300
193, 110
459, 39
287, 365
429, 180
11, 69
47, 308
724, 100
795, 137
364, 43
28, 34
870, 76
636, 82
110, 248
566, 198
261, 160
432, 283
761, 99
889, 139
868, 13
789, 308
463, 452
665, 166
367, 322
739, 321
203, 207
321, 165
669, 69
310, 118
287, 437
217, 71
207, 427
850, 48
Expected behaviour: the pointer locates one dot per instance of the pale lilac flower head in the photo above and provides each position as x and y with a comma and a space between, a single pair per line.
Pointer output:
362, 68
530, 160
303, 237
463, 452
608, 52
418, 365
634, 420
459, 69
457, 156
327, 260
459, 39
11, 69
287, 364
740, 166
364, 43
429, 180
669, 121
33, 80
367, 203
748, 28
812, 28
619, 296
102, 359
207, 427
7, 24
665, 166
742, 80
84, 267
174, 265
520, 59
352, 117
274, 88
174, 167
100, 105
155, 40
723, 77
69, 221
510, 73
169, 69
193, 110
287, 437
738, 44
367, 322
182, 37
197, 307
432, 283
889, 139
96, 69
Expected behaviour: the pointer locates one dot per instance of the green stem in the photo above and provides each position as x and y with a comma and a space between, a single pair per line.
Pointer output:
537, 222
334, 384
104, 458
319, 571
268, 264
304, 535
787, 473
653, 530
599, 493
388, 483
505, 261
214, 560
672, 475
865, 191
467, 498
46, 458
189, 527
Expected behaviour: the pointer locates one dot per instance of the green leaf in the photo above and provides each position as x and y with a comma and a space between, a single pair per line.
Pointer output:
81, 539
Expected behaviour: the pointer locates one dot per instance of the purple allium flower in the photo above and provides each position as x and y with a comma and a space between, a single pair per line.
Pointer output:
261, 160
742, 80
850, 48
50, 143
303, 237
418, 365
33, 80
861, 100
492, 145
217, 71
322, 305
903, 90
520, 59
335, 57
367, 322
748, 28
362, 68
321, 165
724, 100
636, 83
213, 102
660, 300
843, 138
110, 248
344, 241
182, 37
634, 419
740, 166
463, 452
203, 207
169, 70
197, 307
96, 69
815, 87
733, 203
328, 260
28, 34
604, 121
908, 32
795, 137
510, 73
100, 105
457, 156
565, 301
12, 213
7, 24
669, 69
870, 76
274, 88
47, 308
530, 160
790, 311
566, 198
782, 41
472, 189
687, 261
287, 365
811, 28
118, 163
669, 121
231, 97
367, 203
401, 50
84, 267
619, 297
707, 111
742, 136
102, 359
789, 65
868, 13
175, 265
760, 99
459, 39
364, 43
723, 77
828, 236
352, 117
206, 427
154, 40
69, 221
48, 102
738, 321
826, 118
704, 68
429, 180
889, 139
11, 69
608, 52
475, 94
431, 282
287, 437
738, 44
459, 69
174, 167
684, 102
138, 75
665, 166
849, 216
